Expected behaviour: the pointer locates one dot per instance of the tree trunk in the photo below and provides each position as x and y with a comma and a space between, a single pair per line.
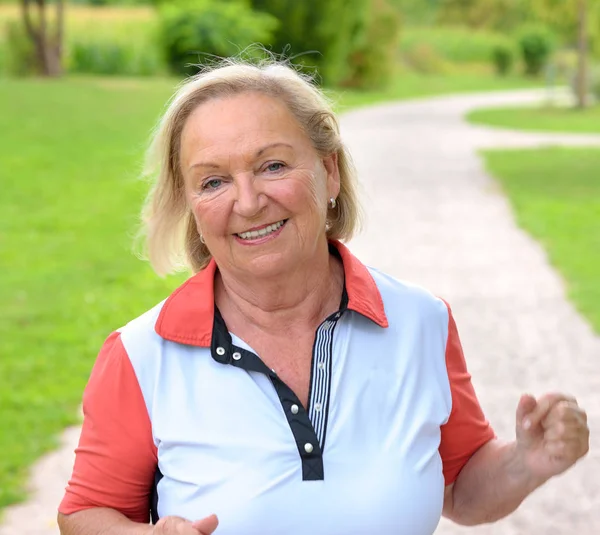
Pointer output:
47, 44
582, 62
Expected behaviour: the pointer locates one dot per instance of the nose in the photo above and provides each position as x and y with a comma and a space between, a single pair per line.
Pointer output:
250, 200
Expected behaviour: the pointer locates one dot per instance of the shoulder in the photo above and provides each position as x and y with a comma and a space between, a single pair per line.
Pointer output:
144, 326
408, 299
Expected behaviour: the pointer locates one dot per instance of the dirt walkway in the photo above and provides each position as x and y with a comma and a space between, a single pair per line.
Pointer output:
436, 218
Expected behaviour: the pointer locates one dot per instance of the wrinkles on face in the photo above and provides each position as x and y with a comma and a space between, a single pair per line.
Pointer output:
248, 164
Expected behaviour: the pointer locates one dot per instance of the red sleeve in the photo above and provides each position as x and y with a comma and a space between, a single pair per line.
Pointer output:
467, 429
116, 458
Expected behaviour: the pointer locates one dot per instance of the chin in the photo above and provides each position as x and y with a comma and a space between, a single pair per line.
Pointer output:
269, 265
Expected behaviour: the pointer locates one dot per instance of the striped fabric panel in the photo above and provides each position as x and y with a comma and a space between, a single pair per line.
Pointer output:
319, 402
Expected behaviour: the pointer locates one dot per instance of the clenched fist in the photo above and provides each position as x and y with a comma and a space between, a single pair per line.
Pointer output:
552, 434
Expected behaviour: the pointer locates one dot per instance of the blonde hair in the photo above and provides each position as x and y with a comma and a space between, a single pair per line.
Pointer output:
172, 241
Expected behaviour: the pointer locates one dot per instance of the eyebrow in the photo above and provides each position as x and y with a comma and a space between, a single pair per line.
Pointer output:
258, 153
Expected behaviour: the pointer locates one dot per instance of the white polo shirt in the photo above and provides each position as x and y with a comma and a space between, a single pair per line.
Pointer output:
183, 418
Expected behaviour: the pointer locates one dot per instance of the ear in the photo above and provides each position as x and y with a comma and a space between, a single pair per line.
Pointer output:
330, 163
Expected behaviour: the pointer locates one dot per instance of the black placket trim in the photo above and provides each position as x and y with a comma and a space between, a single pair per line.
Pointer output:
307, 442
154, 518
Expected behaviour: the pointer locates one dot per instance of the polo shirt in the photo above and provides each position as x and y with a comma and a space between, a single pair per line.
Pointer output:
181, 417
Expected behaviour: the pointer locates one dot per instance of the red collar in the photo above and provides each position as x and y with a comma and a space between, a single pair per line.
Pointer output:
188, 314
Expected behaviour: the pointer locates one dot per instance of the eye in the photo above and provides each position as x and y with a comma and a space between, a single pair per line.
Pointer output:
274, 167
213, 183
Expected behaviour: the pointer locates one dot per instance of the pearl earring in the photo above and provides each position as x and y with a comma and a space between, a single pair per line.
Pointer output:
332, 203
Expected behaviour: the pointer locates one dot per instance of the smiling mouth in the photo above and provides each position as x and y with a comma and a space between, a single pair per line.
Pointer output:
269, 229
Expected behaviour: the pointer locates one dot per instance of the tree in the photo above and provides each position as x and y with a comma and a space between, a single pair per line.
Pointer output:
46, 35
572, 19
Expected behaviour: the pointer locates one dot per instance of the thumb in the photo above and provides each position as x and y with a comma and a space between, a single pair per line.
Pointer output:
527, 405
207, 525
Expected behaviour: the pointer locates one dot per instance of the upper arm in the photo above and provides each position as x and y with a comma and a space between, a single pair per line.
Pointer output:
467, 428
116, 458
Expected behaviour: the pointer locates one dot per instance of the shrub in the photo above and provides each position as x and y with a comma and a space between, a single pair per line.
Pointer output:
19, 55
536, 44
319, 35
454, 44
503, 57
373, 58
423, 58
190, 30
113, 58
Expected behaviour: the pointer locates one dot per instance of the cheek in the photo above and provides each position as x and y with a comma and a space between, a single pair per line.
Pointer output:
300, 193
210, 215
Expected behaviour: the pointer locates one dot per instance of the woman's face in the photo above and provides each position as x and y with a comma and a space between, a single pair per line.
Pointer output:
256, 185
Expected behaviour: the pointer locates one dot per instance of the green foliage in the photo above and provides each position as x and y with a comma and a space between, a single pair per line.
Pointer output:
19, 55
536, 43
194, 30
424, 59
455, 44
114, 58
417, 12
319, 35
555, 193
503, 57
491, 14
373, 58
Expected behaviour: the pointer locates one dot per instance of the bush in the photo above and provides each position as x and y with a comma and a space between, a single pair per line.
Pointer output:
113, 58
319, 35
503, 57
454, 44
19, 55
373, 59
536, 44
190, 30
423, 58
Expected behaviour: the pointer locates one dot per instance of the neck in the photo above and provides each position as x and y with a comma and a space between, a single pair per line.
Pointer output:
302, 297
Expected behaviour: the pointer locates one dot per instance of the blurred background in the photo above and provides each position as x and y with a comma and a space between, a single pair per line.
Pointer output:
83, 83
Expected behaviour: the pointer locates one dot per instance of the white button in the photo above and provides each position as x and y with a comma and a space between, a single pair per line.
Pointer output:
308, 447
321, 365
318, 406
220, 351
237, 356
294, 409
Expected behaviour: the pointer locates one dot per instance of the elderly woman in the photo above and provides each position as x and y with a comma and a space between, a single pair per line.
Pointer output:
286, 388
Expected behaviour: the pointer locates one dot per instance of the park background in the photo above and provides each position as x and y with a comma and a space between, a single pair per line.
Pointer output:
78, 101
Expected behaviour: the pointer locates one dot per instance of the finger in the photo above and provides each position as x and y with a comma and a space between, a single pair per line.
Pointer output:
565, 431
527, 404
543, 407
565, 411
207, 525
572, 449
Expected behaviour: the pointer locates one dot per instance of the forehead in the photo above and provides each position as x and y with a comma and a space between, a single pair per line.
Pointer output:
239, 122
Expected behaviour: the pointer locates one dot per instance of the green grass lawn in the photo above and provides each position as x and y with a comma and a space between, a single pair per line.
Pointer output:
71, 151
556, 196
552, 119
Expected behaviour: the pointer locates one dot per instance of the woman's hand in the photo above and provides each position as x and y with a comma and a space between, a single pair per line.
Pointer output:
174, 525
552, 434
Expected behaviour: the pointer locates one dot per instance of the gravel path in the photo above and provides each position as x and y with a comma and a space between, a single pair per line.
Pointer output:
436, 218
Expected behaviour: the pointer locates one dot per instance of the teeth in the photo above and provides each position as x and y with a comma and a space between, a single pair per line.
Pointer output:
260, 233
